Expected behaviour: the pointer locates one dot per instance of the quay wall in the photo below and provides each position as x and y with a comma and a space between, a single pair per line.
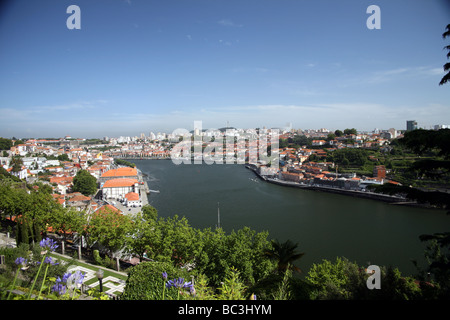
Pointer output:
354, 193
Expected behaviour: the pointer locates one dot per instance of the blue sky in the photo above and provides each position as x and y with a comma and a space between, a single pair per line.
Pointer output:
143, 65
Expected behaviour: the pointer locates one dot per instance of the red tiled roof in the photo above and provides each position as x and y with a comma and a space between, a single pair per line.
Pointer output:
132, 196
121, 172
107, 207
120, 182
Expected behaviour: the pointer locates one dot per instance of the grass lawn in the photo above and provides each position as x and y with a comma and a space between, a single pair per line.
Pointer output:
106, 272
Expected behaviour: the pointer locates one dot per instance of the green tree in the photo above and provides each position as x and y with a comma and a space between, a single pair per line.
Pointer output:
5, 144
338, 133
350, 131
245, 251
331, 136
446, 77
149, 212
145, 233
17, 142
16, 163
110, 229
346, 280
348, 156
284, 254
176, 242
438, 269
330, 280
31, 210
145, 281
63, 157
217, 253
67, 220
85, 183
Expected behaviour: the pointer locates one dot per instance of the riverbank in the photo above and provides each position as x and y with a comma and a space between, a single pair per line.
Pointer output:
395, 200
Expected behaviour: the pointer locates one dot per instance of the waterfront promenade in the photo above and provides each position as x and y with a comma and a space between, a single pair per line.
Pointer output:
143, 197
348, 192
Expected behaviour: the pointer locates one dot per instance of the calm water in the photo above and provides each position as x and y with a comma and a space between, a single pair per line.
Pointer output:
324, 225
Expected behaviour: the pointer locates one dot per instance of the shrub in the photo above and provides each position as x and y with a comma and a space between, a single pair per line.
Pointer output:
145, 281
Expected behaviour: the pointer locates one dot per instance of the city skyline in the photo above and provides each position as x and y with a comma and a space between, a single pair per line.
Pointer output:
140, 66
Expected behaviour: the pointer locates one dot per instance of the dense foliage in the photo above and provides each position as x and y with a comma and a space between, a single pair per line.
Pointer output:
124, 163
85, 183
234, 265
145, 281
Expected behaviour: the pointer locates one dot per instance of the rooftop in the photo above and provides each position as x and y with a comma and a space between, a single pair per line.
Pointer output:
120, 182
121, 172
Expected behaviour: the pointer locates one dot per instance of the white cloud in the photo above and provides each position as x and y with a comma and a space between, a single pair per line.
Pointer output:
228, 23
225, 42
363, 116
405, 72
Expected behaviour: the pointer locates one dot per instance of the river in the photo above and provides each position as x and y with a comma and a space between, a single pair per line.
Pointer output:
324, 225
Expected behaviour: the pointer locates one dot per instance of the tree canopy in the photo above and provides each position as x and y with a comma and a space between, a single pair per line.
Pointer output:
85, 183
446, 67
5, 144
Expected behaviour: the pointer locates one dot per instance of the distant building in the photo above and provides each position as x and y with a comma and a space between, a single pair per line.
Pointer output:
379, 172
318, 142
441, 126
411, 125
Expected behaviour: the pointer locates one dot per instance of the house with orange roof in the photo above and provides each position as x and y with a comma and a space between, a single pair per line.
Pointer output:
318, 142
291, 176
63, 183
60, 199
118, 188
132, 199
78, 201
22, 174
122, 172
97, 170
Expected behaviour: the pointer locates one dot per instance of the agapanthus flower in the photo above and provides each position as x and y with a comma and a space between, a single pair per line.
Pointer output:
66, 276
164, 275
48, 260
75, 280
59, 288
178, 283
48, 244
23, 262
51, 261
69, 281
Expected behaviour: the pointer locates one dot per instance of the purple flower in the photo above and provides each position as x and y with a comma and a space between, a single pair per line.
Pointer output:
48, 244
69, 281
178, 283
50, 261
75, 279
164, 275
21, 261
59, 288
66, 276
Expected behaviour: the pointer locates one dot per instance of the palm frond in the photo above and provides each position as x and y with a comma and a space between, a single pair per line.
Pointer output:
445, 79
447, 66
446, 33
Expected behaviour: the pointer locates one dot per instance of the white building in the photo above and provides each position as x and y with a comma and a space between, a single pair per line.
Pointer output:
118, 188
132, 200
